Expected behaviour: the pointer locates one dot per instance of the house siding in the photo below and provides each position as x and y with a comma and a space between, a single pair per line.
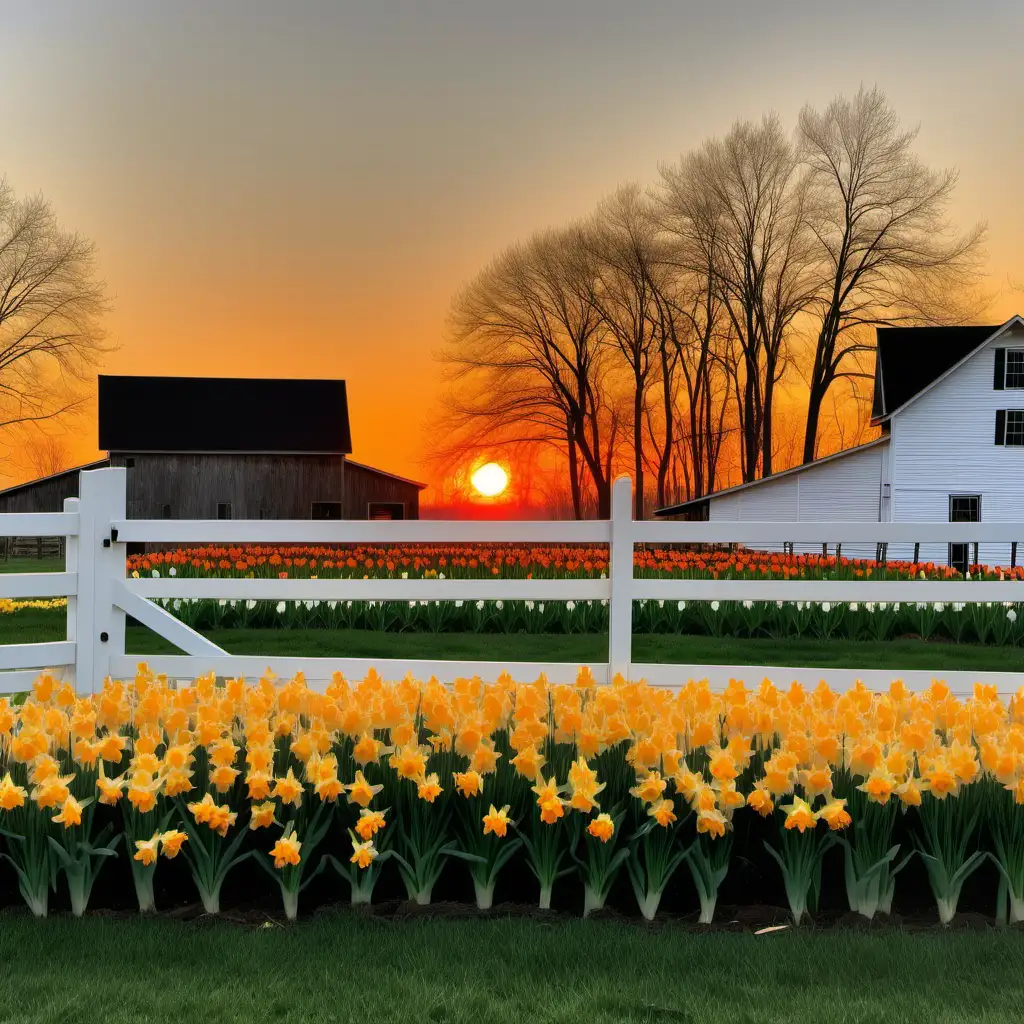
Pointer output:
845, 489
944, 444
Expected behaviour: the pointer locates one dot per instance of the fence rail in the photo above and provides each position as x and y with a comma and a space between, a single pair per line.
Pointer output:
100, 596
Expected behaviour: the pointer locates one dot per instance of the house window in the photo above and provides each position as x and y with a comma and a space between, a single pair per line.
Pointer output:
1015, 427
385, 510
326, 510
1015, 368
223, 509
963, 508
165, 511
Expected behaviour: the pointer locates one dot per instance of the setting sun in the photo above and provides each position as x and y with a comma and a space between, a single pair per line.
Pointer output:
490, 480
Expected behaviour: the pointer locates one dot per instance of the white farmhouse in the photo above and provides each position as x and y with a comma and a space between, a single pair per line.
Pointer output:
950, 404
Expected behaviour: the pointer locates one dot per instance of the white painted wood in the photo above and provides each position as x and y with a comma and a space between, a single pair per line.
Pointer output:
163, 623
44, 655
620, 565
839, 679
101, 623
320, 670
301, 531
834, 591
41, 585
371, 589
21, 681
38, 524
71, 566
752, 533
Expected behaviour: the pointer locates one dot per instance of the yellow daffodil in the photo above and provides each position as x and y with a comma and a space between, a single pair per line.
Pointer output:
496, 821
602, 827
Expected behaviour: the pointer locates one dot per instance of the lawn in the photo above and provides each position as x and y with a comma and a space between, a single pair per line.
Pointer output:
35, 626
31, 565
348, 967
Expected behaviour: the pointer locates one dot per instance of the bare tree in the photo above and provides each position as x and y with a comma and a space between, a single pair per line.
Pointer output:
526, 364
50, 307
887, 252
46, 454
739, 203
630, 263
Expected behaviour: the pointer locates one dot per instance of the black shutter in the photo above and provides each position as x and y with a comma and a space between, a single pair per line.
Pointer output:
1000, 426
1000, 381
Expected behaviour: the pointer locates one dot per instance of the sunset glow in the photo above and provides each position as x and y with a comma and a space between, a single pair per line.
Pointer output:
490, 480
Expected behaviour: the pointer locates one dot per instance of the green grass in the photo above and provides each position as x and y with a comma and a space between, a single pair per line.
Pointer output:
31, 564
346, 967
34, 626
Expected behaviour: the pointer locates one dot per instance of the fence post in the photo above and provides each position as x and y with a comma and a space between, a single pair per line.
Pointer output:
620, 571
99, 626
71, 565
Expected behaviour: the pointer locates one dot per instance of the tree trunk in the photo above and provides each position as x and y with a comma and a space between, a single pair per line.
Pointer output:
814, 400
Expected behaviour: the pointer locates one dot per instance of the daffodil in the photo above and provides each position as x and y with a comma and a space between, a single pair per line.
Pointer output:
286, 851
799, 815
369, 823
496, 821
360, 792
146, 850
602, 827
363, 854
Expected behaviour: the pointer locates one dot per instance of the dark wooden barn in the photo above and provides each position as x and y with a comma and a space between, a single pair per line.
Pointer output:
230, 448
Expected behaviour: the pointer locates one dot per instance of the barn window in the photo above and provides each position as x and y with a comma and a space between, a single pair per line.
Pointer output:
326, 510
1015, 427
165, 511
385, 510
1015, 368
129, 463
264, 514
223, 509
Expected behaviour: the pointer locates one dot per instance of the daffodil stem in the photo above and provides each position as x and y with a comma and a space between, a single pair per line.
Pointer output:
707, 908
290, 898
484, 895
649, 905
545, 897
592, 900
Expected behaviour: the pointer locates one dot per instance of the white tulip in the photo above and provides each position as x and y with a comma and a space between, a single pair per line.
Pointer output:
156, 574
172, 571
853, 606
479, 606
826, 607
459, 603
715, 606
681, 606
281, 607
499, 605
570, 606
1011, 615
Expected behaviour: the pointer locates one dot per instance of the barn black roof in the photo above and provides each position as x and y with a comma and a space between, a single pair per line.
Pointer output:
223, 414
908, 359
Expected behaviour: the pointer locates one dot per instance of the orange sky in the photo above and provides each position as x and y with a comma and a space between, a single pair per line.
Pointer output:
297, 189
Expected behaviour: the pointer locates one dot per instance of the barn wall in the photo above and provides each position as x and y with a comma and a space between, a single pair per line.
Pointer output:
845, 489
282, 486
944, 444
363, 485
45, 496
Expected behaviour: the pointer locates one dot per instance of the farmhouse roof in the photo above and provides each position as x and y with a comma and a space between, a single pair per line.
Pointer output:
675, 510
909, 360
223, 414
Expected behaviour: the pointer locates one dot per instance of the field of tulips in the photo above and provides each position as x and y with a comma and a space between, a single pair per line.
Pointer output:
569, 795
987, 623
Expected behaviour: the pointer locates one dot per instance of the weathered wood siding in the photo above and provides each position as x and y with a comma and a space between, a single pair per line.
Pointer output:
271, 486
363, 485
46, 495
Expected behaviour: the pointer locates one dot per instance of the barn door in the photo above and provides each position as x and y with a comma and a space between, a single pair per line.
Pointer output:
963, 508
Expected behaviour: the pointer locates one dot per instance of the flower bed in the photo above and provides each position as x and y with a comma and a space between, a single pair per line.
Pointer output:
987, 623
582, 787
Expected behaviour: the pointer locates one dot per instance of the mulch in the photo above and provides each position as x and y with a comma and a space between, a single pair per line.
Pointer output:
751, 919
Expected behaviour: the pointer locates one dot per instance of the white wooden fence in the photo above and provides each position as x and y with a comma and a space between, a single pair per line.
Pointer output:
99, 594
